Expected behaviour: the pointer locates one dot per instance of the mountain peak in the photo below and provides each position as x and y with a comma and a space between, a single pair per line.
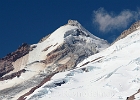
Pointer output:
62, 50
73, 22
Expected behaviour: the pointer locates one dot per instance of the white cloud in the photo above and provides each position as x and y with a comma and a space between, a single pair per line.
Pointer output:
109, 21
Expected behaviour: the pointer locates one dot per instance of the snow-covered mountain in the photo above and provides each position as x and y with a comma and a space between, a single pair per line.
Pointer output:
31, 65
112, 74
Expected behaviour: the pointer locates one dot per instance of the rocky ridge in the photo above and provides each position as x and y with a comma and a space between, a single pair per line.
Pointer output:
6, 62
132, 28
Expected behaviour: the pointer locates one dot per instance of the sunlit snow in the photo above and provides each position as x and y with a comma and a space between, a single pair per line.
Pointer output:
113, 74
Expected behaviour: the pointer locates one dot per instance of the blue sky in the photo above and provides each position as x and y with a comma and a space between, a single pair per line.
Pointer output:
29, 20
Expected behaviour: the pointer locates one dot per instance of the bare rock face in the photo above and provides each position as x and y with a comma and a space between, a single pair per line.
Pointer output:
133, 28
6, 62
5, 67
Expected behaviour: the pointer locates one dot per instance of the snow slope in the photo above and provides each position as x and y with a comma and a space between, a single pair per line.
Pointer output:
113, 74
61, 35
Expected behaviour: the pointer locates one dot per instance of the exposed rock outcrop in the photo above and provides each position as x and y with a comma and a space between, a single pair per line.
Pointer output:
133, 28
5, 67
20, 52
132, 97
11, 76
6, 62
73, 22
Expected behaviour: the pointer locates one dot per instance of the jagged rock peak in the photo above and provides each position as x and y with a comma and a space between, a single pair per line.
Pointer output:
73, 22
132, 28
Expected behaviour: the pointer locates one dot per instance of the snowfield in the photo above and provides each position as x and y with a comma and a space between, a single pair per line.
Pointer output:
113, 74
